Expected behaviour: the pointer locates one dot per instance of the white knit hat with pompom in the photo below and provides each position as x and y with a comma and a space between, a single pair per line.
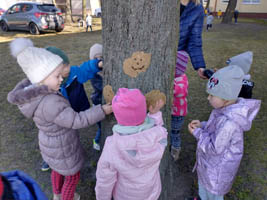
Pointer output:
36, 63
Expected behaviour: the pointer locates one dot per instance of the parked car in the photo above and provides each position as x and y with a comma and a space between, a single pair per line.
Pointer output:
34, 17
1, 11
98, 12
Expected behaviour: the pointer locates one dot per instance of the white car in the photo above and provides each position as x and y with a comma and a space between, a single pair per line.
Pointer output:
98, 12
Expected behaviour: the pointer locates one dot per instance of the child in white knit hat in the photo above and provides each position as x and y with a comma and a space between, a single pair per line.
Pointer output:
97, 84
37, 97
220, 139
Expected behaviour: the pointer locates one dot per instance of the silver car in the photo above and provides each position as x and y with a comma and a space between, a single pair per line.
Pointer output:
33, 17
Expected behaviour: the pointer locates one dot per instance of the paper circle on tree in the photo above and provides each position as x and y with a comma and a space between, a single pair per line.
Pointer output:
153, 96
108, 93
137, 63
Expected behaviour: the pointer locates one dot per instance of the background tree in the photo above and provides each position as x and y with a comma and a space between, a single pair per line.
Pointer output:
84, 9
144, 25
228, 15
207, 4
54, 2
68, 13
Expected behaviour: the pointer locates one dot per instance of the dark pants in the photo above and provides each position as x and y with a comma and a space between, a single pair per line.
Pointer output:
176, 125
235, 19
98, 133
209, 26
90, 28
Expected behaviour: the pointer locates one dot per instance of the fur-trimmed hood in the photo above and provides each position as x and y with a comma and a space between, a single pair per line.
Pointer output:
27, 96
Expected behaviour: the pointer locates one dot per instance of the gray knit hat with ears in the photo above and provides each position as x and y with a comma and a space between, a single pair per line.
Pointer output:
95, 50
244, 60
226, 83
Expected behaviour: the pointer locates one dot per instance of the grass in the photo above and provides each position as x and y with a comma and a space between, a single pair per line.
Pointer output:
18, 135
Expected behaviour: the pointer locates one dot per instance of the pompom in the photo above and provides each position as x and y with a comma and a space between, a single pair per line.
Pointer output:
18, 45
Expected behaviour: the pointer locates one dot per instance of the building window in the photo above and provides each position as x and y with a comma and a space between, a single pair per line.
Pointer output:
225, 1
251, 1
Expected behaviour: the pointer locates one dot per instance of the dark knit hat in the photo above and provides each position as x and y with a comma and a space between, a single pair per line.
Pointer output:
60, 53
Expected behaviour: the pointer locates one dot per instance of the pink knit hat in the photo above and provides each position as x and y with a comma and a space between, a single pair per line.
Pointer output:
181, 63
129, 107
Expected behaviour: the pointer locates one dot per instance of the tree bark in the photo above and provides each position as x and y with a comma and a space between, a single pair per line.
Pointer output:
84, 9
54, 2
144, 25
208, 4
68, 13
228, 15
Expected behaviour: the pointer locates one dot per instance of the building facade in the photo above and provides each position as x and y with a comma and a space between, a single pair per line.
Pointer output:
246, 8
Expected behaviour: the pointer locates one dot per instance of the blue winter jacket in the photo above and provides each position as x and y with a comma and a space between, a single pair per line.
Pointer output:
73, 88
191, 23
97, 83
23, 186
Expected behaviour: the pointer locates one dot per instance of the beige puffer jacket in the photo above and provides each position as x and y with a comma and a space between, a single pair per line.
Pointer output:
56, 120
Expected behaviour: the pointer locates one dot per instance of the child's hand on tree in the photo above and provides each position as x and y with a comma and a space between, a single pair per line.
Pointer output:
107, 108
100, 64
193, 125
157, 107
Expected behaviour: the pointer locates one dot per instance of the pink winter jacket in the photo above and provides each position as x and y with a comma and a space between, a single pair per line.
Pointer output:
180, 90
128, 168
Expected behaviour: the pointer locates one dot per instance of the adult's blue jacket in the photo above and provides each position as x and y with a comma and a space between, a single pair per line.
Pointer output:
73, 88
191, 24
23, 186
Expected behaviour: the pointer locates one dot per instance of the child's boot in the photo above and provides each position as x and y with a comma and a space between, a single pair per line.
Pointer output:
57, 197
175, 152
76, 196
96, 146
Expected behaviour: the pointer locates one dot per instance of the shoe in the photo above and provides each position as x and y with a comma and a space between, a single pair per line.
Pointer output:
96, 145
45, 167
57, 197
175, 152
76, 196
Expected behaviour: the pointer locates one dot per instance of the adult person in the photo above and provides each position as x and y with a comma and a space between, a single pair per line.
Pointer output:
236, 13
191, 24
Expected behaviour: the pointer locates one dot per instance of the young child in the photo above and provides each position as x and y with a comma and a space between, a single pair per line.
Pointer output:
179, 106
219, 14
89, 20
97, 83
37, 97
209, 21
128, 168
220, 139
73, 78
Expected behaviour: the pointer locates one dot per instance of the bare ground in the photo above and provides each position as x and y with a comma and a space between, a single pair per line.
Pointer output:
18, 135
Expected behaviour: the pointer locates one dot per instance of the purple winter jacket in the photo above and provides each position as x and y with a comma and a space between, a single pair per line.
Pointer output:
220, 144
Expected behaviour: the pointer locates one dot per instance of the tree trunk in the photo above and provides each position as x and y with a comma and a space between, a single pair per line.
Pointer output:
144, 25
228, 15
84, 9
54, 2
68, 13
208, 4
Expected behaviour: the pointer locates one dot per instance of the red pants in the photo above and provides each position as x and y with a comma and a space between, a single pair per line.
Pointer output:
64, 185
